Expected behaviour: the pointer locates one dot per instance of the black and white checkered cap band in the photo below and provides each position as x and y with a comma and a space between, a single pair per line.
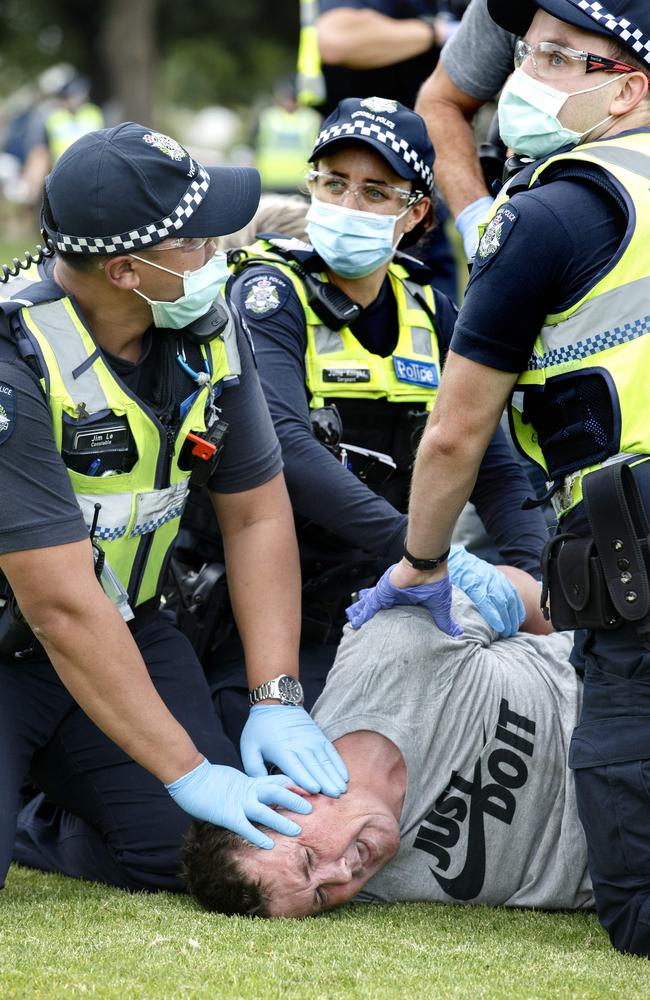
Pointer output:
361, 127
625, 29
138, 239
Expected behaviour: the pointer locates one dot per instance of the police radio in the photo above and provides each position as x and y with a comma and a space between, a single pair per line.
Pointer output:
492, 156
206, 328
331, 305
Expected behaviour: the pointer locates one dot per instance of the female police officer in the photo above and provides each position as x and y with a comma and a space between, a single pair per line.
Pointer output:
350, 338
558, 306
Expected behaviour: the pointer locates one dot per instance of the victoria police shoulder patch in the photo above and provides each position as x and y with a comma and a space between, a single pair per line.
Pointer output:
496, 233
7, 411
264, 294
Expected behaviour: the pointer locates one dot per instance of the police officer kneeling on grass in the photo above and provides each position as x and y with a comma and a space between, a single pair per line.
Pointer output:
124, 375
558, 309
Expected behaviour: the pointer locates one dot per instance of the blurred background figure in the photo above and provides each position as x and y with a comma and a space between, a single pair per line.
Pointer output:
387, 48
283, 138
45, 131
472, 70
20, 110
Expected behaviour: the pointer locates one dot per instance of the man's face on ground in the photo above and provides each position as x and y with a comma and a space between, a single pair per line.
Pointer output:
343, 843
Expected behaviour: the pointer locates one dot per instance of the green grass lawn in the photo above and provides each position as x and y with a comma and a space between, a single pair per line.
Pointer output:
62, 938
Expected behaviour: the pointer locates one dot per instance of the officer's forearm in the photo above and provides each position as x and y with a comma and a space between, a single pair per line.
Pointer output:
366, 39
103, 670
467, 411
95, 656
263, 577
443, 479
448, 113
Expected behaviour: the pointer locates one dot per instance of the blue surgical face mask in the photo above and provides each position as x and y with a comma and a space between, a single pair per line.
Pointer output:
200, 289
528, 116
351, 242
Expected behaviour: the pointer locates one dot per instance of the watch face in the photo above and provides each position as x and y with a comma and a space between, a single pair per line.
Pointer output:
290, 690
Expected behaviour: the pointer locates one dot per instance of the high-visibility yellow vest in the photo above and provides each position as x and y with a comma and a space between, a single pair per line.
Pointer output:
140, 509
338, 366
64, 127
598, 348
284, 141
311, 82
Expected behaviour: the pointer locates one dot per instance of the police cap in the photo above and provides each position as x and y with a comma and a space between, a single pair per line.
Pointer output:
129, 187
393, 130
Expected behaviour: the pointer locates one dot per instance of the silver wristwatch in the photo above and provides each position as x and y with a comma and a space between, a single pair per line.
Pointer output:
286, 689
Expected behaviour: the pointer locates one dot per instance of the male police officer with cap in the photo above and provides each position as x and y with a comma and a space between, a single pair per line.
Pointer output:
122, 374
558, 303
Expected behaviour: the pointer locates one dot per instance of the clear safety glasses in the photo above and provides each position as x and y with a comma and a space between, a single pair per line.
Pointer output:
184, 245
558, 62
374, 197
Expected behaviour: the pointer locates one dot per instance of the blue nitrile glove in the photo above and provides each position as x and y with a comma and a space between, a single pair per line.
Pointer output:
288, 737
435, 597
226, 797
492, 593
467, 223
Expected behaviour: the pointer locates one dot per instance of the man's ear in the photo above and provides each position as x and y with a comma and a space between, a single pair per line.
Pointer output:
634, 91
120, 272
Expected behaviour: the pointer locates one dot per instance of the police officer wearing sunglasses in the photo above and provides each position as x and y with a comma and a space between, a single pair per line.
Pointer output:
124, 376
557, 318
350, 336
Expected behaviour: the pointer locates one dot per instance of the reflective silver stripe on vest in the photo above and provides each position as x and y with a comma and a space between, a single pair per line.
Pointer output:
229, 337
114, 516
157, 507
602, 318
420, 336
421, 340
327, 341
153, 509
629, 159
70, 353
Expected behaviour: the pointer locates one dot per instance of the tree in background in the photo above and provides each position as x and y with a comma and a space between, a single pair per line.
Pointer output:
143, 54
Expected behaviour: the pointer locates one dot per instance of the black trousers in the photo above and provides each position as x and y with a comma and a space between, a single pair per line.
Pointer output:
99, 816
610, 755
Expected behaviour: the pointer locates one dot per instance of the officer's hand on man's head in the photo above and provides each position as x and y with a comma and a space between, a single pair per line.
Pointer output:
226, 797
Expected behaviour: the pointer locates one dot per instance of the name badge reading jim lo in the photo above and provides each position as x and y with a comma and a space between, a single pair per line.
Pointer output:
7, 411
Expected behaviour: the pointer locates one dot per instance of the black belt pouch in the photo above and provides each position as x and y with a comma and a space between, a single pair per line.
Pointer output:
574, 578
